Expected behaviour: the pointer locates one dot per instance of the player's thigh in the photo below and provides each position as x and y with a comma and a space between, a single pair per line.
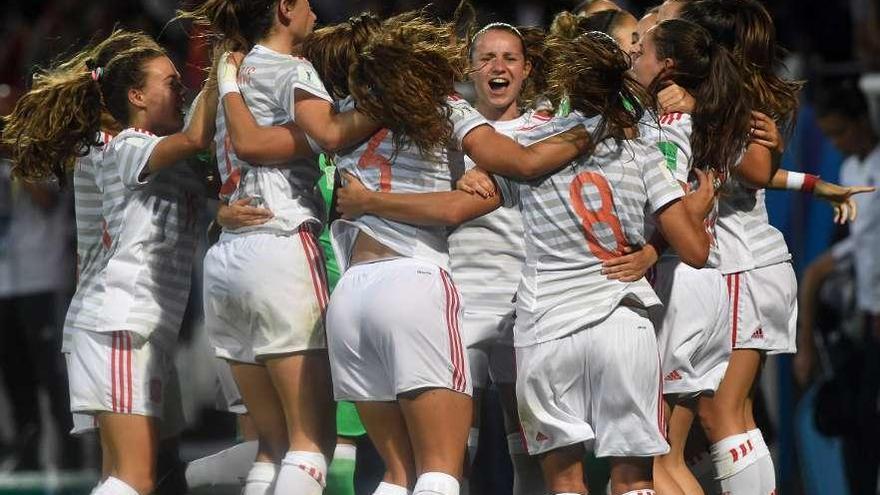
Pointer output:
438, 421
387, 430
263, 405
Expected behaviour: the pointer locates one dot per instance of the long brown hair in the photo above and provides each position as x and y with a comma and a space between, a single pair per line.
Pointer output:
59, 118
403, 77
238, 23
746, 29
722, 116
334, 49
593, 72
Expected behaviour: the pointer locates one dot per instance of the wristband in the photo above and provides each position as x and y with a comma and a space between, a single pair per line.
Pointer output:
227, 74
798, 181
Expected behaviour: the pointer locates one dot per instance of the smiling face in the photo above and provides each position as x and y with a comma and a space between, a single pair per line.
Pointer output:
500, 68
161, 98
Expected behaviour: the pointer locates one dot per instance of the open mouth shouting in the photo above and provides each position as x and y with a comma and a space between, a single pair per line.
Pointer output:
498, 85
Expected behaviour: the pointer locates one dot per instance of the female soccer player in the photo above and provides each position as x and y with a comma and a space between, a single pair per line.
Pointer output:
485, 254
120, 342
692, 328
266, 285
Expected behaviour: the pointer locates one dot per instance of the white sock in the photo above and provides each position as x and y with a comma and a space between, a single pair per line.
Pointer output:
765, 462
260, 479
302, 473
345, 452
643, 491
527, 476
227, 467
735, 467
389, 489
436, 484
114, 486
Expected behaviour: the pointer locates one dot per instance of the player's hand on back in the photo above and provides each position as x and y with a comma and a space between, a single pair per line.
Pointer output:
633, 265
674, 98
351, 197
476, 181
701, 201
766, 133
240, 213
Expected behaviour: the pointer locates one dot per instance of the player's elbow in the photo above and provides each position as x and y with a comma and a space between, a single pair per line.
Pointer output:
695, 256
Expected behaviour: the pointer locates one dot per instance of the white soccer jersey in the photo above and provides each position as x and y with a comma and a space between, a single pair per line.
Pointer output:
268, 81
487, 253
673, 141
382, 168
745, 237
865, 230
574, 219
228, 163
151, 224
92, 242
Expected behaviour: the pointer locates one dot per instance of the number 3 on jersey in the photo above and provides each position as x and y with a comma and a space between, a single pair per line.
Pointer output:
604, 215
372, 159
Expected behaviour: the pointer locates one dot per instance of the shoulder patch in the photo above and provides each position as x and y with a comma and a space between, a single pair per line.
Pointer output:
670, 153
306, 74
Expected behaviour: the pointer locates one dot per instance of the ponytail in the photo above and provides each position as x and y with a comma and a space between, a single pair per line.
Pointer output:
237, 23
59, 118
722, 117
593, 72
403, 78
53, 123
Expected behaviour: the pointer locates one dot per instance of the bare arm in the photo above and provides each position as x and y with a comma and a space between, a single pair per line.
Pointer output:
681, 223
497, 153
262, 145
439, 208
814, 275
194, 138
331, 130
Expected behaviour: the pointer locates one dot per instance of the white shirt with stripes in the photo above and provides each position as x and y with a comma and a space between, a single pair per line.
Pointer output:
92, 240
382, 168
268, 81
487, 253
746, 240
151, 225
576, 218
673, 141
228, 163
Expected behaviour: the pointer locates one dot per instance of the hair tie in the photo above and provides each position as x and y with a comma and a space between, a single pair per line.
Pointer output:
97, 73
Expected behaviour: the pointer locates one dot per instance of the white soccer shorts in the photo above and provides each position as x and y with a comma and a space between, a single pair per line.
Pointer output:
265, 294
121, 372
693, 330
392, 328
600, 386
489, 341
763, 309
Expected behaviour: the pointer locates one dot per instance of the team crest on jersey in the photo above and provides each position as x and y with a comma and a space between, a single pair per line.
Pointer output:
670, 152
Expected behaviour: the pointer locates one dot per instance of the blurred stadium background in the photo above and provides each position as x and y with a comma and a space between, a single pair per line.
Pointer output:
830, 43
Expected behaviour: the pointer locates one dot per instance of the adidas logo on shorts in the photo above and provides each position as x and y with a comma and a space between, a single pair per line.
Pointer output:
672, 376
758, 334
540, 437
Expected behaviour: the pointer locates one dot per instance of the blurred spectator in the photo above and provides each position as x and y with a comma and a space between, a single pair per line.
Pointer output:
842, 113
35, 279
